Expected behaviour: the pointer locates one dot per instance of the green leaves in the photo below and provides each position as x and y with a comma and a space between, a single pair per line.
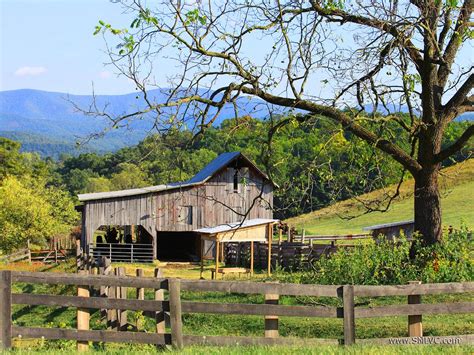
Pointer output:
193, 17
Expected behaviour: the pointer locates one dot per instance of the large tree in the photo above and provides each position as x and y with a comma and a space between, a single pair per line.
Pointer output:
335, 58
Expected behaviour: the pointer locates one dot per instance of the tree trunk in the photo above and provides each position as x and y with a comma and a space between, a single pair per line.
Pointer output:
428, 205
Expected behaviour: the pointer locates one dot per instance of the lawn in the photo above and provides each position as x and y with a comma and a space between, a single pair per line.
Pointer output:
457, 194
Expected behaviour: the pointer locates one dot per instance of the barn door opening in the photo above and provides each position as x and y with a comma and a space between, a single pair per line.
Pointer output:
178, 246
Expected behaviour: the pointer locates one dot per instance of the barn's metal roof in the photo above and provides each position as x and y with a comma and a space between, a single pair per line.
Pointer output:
237, 225
388, 225
201, 177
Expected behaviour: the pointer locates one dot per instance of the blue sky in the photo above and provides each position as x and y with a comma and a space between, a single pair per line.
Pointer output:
48, 45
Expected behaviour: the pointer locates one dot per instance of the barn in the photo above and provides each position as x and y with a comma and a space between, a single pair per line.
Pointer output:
166, 221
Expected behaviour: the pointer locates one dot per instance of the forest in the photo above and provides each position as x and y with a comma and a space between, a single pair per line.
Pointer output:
313, 161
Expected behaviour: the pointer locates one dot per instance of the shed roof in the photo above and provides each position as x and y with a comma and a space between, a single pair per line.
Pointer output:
222, 228
201, 177
388, 225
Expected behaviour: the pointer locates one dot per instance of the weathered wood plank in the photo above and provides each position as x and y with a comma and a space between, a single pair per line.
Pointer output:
260, 309
413, 309
175, 313
91, 335
91, 302
247, 287
91, 280
349, 316
5, 310
405, 290
83, 315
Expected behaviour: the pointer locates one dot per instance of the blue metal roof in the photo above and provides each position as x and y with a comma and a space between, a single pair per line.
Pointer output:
213, 167
205, 174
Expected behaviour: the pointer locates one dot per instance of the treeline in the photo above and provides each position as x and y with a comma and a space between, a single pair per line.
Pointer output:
313, 162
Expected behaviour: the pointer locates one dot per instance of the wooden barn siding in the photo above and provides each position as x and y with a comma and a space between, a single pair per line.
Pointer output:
159, 211
128, 210
210, 203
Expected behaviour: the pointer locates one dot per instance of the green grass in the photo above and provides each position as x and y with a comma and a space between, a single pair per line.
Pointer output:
457, 201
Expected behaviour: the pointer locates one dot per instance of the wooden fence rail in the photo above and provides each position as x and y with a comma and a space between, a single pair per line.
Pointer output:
271, 309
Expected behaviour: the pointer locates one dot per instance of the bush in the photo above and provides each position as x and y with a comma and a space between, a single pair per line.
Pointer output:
388, 262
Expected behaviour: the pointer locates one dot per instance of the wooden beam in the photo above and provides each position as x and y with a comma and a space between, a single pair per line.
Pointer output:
202, 257
175, 313
269, 261
83, 315
251, 258
415, 326
5, 310
349, 314
217, 259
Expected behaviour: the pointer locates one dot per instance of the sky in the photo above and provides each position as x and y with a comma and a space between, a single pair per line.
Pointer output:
49, 45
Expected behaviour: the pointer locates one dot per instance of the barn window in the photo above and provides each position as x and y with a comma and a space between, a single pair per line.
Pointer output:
185, 214
236, 181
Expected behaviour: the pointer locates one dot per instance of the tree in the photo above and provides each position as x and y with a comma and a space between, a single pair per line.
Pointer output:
372, 56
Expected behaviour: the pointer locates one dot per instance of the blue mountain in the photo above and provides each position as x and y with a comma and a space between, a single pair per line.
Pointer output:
35, 117
49, 123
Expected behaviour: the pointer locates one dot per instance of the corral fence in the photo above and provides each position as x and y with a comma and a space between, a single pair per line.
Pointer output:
123, 252
298, 252
271, 310
19, 255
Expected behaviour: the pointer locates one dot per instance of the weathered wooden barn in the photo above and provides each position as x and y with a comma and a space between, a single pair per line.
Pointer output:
229, 189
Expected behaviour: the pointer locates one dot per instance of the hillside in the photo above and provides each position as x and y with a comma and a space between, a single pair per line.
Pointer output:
457, 191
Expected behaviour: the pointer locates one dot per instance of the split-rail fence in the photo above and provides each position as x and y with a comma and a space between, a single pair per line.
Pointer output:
176, 307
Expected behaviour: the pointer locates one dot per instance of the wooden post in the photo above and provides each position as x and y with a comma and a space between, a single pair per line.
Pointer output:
349, 316
112, 313
202, 258
271, 322
29, 250
122, 293
5, 309
280, 236
303, 235
174, 287
415, 325
251, 258
217, 259
83, 315
269, 256
160, 296
140, 290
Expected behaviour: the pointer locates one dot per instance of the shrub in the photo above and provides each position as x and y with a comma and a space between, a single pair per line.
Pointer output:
388, 262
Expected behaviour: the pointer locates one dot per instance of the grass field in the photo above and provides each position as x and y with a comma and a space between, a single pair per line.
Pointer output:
457, 192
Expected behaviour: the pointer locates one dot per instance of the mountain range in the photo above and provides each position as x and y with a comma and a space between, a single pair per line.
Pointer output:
50, 124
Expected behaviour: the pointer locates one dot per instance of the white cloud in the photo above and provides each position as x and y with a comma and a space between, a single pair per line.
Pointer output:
30, 71
105, 74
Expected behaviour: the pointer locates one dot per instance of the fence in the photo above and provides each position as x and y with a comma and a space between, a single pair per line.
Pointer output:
271, 310
22, 254
127, 252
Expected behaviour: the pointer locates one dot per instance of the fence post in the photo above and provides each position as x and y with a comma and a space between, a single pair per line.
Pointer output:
5, 309
122, 293
160, 317
83, 315
415, 326
271, 322
29, 250
140, 290
174, 287
349, 314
